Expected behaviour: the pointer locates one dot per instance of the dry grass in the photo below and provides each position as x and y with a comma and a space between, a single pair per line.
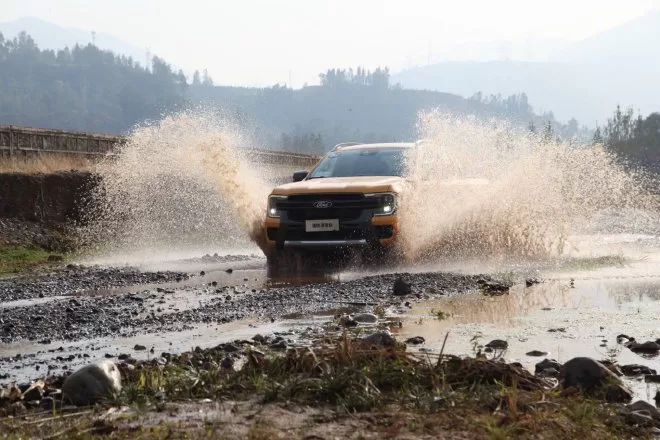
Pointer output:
337, 389
45, 163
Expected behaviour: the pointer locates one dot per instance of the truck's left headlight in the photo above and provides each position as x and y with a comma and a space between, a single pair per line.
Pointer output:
386, 203
273, 209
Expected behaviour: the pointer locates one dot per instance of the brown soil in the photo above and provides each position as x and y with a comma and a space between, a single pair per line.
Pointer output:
45, 198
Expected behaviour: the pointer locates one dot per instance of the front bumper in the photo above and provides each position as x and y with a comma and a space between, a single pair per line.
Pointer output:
366, 230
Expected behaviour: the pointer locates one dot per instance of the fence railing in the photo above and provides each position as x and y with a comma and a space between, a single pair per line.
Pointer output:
18, 140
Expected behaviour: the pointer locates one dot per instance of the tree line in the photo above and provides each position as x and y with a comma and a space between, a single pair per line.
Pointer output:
83, 88
634, 138
89, 89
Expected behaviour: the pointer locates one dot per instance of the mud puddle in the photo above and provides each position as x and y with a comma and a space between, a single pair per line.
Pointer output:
24, 361
569, 314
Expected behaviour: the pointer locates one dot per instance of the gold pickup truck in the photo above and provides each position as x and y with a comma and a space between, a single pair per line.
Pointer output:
348, 201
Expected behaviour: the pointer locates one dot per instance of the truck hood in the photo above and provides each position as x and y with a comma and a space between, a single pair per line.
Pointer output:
364, 184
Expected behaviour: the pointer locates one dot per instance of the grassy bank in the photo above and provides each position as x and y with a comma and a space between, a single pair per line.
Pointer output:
14, 259
340, 389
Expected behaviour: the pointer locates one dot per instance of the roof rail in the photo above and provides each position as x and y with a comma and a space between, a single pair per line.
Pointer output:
345, 144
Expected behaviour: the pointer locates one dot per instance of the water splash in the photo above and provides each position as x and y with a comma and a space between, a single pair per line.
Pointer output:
180, 182
489, 189
478, 188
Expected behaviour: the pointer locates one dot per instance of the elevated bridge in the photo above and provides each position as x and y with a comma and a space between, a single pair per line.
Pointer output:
26, 141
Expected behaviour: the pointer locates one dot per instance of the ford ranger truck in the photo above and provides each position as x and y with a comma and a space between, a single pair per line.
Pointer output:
347, 201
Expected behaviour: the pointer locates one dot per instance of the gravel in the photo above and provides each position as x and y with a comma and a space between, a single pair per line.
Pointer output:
157, 310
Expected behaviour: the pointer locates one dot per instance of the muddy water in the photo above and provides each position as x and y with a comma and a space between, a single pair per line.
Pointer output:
573, 312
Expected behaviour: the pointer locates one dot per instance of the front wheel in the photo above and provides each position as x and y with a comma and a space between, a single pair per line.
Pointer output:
285, 262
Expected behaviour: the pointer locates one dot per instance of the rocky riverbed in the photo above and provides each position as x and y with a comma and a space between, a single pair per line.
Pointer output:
66, 311
217, 315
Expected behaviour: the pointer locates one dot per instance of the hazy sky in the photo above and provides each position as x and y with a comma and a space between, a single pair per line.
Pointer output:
258, 42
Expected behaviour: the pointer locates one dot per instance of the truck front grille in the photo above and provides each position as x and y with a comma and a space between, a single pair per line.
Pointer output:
342, 206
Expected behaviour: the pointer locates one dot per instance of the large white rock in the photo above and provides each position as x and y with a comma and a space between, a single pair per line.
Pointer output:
92, 383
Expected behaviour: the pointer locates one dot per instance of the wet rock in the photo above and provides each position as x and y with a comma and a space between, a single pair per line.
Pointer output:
612, 366
642, 405
34, 392
529, 282
415, 340
623, 337
546, 364
641, 413
537, 353
618, 393
366, 318
401, 288
347, 321
652, 378
92, 383
557, 330
636, 370
259, 339
497, 344
431, 291
229, 270
139, 347
639, 418
379, 339
227, 363
593, 379
648, 347
229, 348
279, 345
493, 288
549, 373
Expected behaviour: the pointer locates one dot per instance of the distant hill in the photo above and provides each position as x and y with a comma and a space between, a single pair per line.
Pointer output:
586, 80
636, 43
51, 36
86, 88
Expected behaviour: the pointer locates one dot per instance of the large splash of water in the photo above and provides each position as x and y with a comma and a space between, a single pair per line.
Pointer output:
181, 182
487, 189
477, 188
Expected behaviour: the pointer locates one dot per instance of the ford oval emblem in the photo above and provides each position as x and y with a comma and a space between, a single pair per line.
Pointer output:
322, 204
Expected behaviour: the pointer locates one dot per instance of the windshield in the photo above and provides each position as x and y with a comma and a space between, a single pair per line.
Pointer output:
362, 162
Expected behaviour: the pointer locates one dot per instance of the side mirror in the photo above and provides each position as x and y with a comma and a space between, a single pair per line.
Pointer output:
299, 175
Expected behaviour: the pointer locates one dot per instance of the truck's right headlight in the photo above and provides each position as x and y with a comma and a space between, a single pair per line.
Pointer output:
273, 210
386, 203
